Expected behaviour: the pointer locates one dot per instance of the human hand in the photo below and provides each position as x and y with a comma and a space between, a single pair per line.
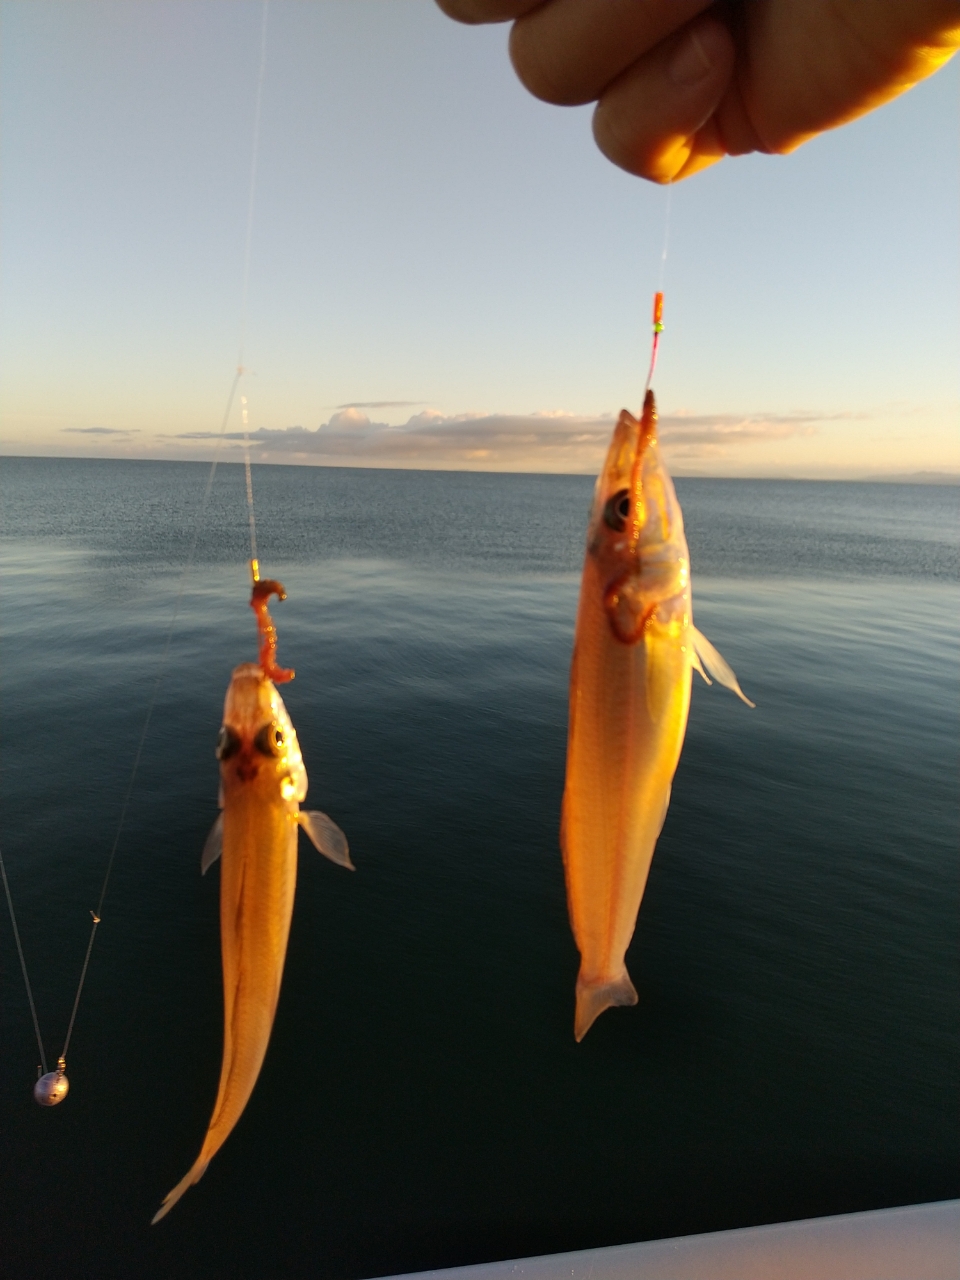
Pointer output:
682, 83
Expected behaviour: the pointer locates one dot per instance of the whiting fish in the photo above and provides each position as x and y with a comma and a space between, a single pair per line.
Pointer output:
634, 653
262, 784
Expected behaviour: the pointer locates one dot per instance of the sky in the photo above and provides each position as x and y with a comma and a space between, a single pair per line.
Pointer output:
444, 272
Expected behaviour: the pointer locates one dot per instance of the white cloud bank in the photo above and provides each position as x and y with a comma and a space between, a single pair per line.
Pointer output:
508, 442
98, 431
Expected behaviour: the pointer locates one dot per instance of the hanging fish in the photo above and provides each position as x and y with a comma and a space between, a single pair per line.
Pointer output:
634, 651
262, 784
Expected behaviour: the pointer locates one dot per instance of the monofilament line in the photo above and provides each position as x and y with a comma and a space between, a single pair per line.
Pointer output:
251, 518
247, 252
252, 188
658, 296
23, 965
158, 681
248, 242
133, 774
666, 237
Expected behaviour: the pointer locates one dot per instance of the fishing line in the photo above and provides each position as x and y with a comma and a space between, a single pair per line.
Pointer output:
666, 237
248, 241
158, 681
23, 965
96, 915
658, 296
252, 188
247, 253
248, 478
657, 330
55, 1082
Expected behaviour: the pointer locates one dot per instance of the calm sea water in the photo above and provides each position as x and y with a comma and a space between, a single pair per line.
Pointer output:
423, 1102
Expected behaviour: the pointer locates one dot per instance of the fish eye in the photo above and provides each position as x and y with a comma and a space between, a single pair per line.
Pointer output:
269, 740
617, 510
228, 744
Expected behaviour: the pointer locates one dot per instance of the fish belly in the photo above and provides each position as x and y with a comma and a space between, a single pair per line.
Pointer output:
258, 877
628, 716
257, 886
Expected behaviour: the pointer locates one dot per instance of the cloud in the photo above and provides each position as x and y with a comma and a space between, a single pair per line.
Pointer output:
714, 435
348, 418
99, 431
381, 404
525, 441
548, 441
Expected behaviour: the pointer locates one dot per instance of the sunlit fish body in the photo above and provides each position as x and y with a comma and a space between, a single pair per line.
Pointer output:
262, 783
634, 652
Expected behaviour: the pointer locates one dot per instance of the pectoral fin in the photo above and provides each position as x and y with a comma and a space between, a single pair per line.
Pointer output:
697, 664
213, 847
718, 667
326, 836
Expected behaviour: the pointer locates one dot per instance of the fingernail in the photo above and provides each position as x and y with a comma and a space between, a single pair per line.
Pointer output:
690, 63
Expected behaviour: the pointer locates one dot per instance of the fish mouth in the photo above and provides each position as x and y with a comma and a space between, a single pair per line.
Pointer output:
621, 515
646, 435
619, 500
246, 768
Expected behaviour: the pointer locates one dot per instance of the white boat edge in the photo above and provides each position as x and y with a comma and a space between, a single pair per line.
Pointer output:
916, 1242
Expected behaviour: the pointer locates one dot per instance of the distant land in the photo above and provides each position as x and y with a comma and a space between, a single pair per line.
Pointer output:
919, 477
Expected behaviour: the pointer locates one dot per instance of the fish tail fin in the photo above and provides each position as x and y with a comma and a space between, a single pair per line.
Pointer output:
197, 1171
593, 998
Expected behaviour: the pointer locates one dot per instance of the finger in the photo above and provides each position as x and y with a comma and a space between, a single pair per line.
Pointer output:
486, 10
568, 51
655, 119
816, 66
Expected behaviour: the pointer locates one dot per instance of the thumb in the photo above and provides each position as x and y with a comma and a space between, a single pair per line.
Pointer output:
654, 120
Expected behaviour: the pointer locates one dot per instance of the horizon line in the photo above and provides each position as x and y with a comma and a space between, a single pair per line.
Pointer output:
926, 476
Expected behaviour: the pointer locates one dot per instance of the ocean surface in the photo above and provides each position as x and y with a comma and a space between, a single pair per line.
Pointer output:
423, 1102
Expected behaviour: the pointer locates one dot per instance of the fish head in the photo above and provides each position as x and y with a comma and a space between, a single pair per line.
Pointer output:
636, 539
258, 748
